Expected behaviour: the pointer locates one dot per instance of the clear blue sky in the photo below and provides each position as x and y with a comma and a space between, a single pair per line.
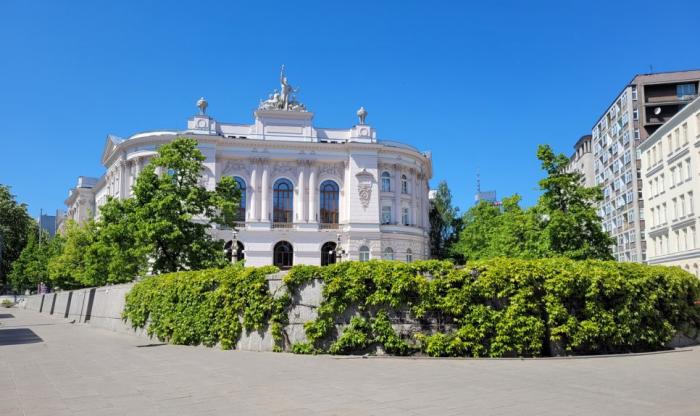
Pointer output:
478, 83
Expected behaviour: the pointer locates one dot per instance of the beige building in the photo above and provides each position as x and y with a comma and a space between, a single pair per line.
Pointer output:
670, 160
582, 160
643, 106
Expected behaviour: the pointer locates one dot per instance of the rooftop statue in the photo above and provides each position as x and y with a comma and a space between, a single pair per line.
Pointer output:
284, 99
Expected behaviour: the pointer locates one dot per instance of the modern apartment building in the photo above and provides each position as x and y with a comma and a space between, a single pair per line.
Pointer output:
582, 160
643, 105
670, 161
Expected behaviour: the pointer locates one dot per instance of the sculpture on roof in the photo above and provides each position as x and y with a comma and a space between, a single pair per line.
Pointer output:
285, 99
362, 114
202, 104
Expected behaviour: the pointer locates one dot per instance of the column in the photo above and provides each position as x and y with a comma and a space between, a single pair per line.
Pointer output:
397, 194
300, 217
413, 189
312, 194
265, 194
253, 193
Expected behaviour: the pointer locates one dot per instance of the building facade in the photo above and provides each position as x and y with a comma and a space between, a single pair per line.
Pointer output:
643, 106
670, 159
582, 160
309, 194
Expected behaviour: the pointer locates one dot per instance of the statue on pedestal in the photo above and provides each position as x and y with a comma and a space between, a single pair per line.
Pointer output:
284, 99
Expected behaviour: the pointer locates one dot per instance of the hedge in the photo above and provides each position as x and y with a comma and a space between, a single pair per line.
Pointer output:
498, 307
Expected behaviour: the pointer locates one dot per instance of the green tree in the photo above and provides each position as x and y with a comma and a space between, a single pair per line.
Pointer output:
172, 210
15, 226
75, 264
445, 222
564, 222
31, 267
492, 231
116, 243
571, 225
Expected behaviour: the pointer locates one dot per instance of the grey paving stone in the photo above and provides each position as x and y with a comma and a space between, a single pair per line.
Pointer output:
79, 370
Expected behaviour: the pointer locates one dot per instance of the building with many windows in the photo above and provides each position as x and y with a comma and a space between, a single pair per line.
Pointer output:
644, 105
309, 194
582, 160
670, 159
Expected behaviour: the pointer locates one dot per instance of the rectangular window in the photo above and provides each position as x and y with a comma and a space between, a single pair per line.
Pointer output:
684, 133
636, 133
677, 138
692, 238
684, 91
635, 114
634, 93
665, 218
386, 214
689, 170
405, 217
682, 205
673, 177
675, 208
691, 204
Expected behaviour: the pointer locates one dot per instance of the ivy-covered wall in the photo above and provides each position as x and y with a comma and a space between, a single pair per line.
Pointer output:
499, 307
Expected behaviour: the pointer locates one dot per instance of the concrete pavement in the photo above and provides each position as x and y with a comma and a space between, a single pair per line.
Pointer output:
51, 367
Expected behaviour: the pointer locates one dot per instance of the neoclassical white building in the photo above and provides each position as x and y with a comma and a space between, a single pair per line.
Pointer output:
308, 193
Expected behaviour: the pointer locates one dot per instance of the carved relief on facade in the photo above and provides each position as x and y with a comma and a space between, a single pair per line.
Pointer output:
281, 168
364, 187
232, 167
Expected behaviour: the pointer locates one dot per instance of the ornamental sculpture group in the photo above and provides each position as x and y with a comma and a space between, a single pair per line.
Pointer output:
284, 99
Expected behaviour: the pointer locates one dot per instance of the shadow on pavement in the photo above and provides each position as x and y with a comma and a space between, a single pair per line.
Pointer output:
6, 315
18, 336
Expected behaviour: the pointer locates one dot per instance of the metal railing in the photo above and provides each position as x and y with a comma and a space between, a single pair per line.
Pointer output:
328, 226
281, 225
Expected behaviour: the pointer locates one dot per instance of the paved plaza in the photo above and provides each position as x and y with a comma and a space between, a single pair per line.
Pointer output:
51, 367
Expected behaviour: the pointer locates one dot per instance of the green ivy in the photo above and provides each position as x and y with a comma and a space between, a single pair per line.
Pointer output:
206, 307
490, 308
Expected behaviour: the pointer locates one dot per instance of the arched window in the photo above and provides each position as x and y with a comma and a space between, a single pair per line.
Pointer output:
409, 255
328, 253
283, 255
283, 194
388, 254
240, 216
386, 182
404, 184
364, 253
330, 197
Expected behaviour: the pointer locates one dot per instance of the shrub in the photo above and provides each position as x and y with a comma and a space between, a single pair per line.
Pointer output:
502, 307
7, 303
496, 307
204, 307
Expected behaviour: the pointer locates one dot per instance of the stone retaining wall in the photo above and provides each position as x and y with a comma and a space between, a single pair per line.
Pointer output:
102, 308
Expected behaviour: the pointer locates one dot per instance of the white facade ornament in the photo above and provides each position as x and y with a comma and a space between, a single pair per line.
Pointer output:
202, 104
362, 114
284, 99
364, 187
232, 167
328, 169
